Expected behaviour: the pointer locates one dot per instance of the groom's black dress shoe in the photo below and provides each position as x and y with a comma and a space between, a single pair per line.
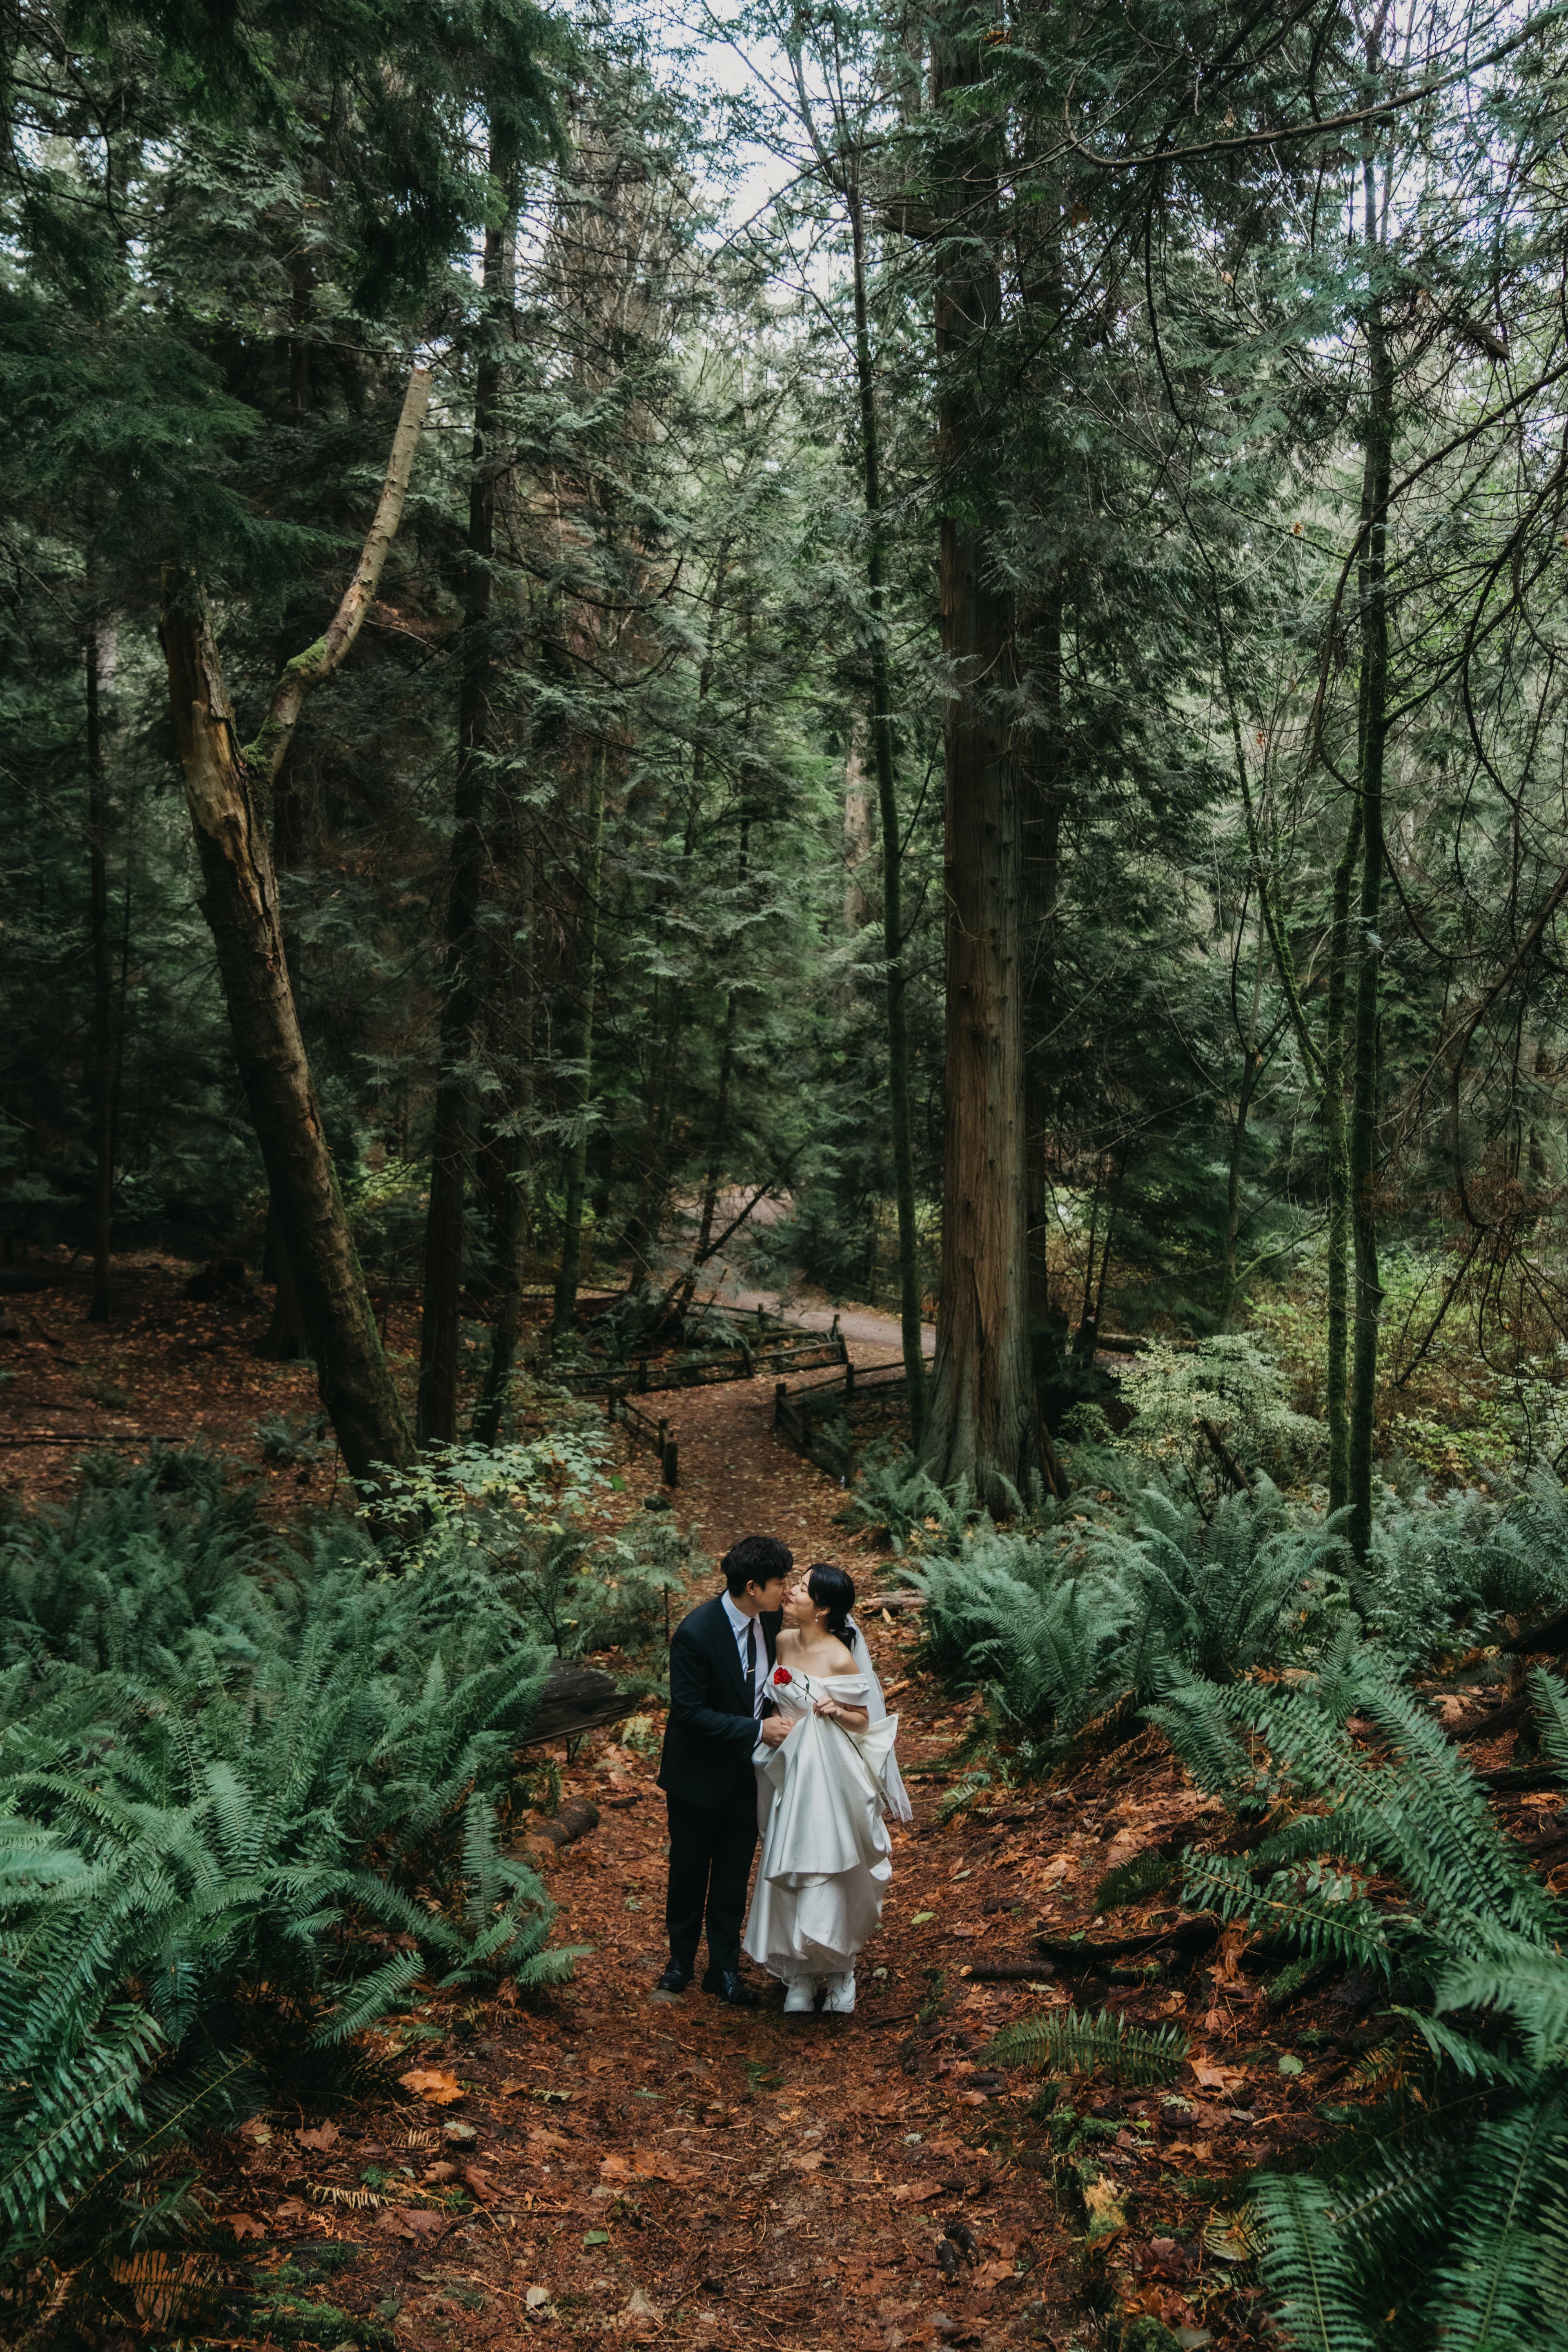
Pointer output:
675, 1978
731, 1988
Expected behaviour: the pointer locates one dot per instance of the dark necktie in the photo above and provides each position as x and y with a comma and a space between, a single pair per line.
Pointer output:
751, 1661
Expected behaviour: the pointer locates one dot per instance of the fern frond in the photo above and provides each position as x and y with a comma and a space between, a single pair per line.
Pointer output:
1131, 1882
1552, 1713
1076, 2045
1307, 2265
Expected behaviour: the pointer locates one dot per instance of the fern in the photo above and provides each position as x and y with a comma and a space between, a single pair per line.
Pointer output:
206, 1849
1075, 2044
1133, 1882
1552, 1715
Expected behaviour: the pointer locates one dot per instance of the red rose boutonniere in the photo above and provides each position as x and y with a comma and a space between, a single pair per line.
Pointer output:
783, 1674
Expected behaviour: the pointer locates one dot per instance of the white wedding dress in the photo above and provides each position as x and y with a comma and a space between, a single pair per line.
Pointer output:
826, 1858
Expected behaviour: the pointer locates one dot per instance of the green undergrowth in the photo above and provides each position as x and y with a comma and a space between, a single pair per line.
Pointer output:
1288, 1678
253, 1798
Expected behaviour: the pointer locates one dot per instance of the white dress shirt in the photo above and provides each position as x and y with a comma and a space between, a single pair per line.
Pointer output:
742, 1624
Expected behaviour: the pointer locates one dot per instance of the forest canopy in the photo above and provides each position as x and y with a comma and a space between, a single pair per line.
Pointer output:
949, 625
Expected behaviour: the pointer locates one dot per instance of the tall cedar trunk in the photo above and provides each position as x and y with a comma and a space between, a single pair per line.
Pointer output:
570, 1267
1041, 816
440, 1332
102, 955
241, 902
1372, 732
1338, 1146
507, 1150
900, 1120
980, 1410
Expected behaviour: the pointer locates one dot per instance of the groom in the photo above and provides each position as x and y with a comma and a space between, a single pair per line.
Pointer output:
719, 1707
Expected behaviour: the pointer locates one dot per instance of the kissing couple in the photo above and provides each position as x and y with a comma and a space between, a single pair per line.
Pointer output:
778, 1727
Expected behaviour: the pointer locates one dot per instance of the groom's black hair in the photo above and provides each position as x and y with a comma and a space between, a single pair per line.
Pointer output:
755, 1559
834, 1590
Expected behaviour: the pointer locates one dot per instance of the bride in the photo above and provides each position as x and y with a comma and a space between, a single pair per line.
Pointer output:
822, 1792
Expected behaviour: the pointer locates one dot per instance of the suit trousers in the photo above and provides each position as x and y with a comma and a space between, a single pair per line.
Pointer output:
711, 1850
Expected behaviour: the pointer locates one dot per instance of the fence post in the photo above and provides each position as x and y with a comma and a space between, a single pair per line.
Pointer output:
663, 1437
848, 1380
642, 1377
671, 1463
779, 1388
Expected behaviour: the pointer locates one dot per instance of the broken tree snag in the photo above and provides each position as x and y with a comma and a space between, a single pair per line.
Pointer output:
226, 792
265, 755
1235, 1476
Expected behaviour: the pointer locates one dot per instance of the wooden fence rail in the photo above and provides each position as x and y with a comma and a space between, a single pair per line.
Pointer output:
643, 1430
799, 1410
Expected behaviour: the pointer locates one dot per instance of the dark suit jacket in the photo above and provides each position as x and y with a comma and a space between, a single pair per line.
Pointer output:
708, 1743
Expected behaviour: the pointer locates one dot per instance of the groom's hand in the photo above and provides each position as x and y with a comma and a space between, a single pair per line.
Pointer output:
775, 1729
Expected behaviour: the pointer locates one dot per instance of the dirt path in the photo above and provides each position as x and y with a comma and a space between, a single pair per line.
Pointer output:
650, 2169
861, 1326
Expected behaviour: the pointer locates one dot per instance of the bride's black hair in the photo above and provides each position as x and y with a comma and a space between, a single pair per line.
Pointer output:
833, 1591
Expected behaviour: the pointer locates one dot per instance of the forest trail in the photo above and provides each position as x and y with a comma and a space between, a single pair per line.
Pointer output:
653, 2169
860, 1326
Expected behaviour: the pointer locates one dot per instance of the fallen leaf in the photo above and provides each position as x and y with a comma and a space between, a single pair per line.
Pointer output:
916, 2193
323, 2137
615, 2167
438, 2084
481, 2183
991, 2275
291, 2211
244, 2225
1212, 2077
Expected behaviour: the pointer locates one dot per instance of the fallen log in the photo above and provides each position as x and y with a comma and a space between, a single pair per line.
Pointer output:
1550, 1634
1189, 1936
1495, 1718
1008, 1971
570, 1821
576, 1698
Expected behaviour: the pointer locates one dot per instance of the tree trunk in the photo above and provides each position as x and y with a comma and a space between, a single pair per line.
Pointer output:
102, 950
440, 1321
570, 1267
1337, 1142
225, 792
900, 1123
858, 836
286, 1339
507, 1152
981, 1412
241, 902
1372, 734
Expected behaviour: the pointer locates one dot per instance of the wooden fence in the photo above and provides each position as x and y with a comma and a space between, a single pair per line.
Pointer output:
707, 1367
643, 1430
814, 1415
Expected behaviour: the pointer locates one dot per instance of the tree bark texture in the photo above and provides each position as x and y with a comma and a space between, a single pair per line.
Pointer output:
1336, 1140
101, 949
226, 791
576, 1171
452, 1125
1372, 737
241, 902
982, 1406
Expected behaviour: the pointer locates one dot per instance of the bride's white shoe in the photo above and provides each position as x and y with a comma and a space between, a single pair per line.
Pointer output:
840, 2001
800, 2000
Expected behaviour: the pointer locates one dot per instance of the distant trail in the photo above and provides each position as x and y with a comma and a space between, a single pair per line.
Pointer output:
859, 1327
